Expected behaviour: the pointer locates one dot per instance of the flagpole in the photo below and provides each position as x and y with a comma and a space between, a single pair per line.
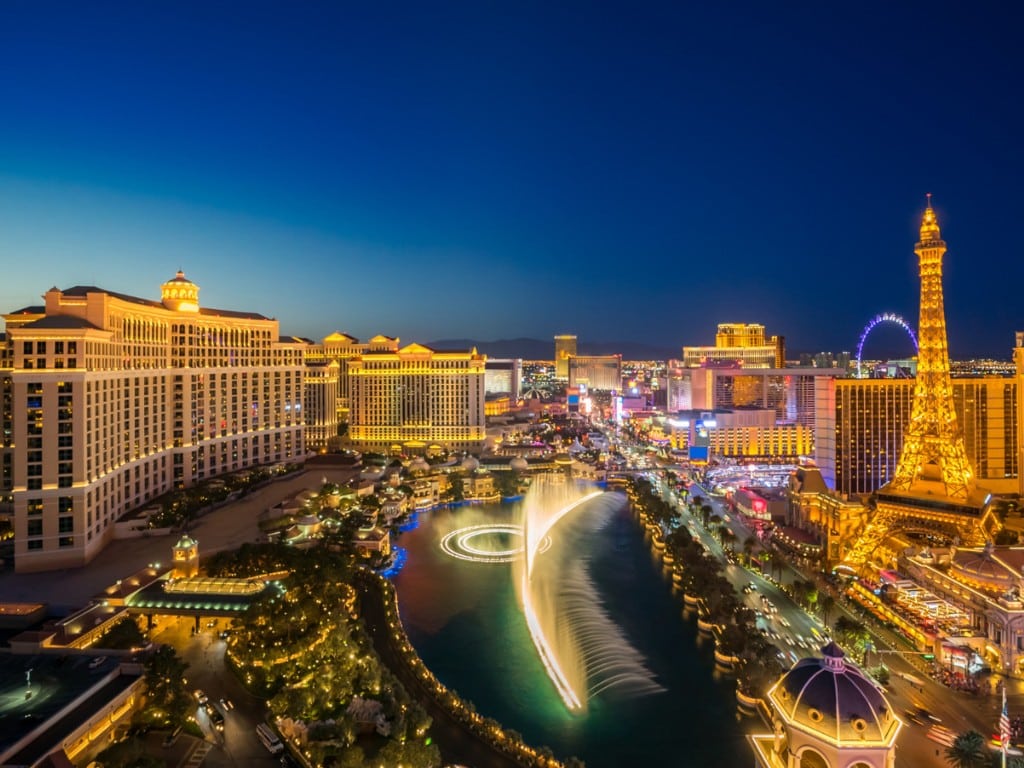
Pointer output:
1004, 720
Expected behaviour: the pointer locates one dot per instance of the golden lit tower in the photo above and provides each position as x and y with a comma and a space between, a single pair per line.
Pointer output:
933, 447
933, 488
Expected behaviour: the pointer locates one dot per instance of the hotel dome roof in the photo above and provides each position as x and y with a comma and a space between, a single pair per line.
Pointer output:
834, 698
984, 567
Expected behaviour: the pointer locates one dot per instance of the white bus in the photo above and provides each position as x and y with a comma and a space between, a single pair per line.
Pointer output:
269, 739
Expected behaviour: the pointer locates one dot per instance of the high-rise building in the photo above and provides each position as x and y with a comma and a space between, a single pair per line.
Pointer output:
742, 344
790, 392
115, 400
321, 390
596, 371
565, 347
860, 429
1018, 360
327, 378
414, 397
503, 377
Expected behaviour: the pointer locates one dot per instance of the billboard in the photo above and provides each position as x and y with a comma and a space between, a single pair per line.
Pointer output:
699, 453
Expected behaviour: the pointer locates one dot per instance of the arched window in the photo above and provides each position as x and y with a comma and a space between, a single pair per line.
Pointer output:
812, 759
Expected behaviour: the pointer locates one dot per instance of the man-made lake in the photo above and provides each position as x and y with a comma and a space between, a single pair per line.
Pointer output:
464, 620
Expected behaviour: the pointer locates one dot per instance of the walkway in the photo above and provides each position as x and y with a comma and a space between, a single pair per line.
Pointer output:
227, 527
458, 745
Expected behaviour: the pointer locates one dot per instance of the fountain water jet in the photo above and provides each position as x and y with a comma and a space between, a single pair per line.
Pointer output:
583, 651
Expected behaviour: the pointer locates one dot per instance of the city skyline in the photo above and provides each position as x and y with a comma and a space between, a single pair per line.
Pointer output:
387, 173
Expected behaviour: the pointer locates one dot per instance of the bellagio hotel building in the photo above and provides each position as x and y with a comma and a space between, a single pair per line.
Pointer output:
111, 401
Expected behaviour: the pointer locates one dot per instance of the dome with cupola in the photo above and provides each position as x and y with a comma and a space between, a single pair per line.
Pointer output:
180, 294
834, 698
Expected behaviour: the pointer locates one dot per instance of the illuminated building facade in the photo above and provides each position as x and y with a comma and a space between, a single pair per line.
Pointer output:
861, 422
740, 434
603, 372
503, 377
790, 392
116, 400
322, 392
1018, 360
741, 344
415, 397
337, 348
565, 347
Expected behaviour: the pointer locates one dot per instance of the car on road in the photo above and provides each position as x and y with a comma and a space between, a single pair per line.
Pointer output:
216, 718
912, 717
784, 622
226, 705
172, 737
201, 697
97, 662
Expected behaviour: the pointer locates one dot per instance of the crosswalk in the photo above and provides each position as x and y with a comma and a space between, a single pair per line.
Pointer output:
196, 756
942, 735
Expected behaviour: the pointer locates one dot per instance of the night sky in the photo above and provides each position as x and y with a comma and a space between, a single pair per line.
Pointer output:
494, 170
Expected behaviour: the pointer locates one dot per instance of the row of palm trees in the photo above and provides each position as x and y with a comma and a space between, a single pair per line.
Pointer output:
700, 574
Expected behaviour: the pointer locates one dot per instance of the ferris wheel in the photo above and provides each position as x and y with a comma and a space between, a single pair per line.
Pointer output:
889, 318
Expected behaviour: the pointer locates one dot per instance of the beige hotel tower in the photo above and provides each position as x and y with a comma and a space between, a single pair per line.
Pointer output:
113, 400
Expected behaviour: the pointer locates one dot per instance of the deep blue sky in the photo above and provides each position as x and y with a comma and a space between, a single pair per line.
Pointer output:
492, 170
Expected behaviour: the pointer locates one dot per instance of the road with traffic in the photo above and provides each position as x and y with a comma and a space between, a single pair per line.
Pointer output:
932, 713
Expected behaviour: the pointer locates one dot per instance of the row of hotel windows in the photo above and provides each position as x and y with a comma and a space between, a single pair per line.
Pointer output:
65, 523
34, 440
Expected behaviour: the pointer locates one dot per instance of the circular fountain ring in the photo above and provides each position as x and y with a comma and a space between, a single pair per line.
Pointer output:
458, 543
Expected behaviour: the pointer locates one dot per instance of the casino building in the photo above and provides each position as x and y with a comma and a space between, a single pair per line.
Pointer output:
111, 400
826, 713
415, 397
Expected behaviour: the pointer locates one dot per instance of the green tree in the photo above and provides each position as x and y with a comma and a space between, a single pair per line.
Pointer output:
749, 544
728, 538
167, 700
123, 635
455, 489
826, 603
967, 750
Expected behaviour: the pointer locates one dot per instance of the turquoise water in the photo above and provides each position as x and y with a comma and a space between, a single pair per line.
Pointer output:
464, 621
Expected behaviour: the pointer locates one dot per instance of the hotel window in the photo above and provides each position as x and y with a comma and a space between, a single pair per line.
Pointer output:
35, 528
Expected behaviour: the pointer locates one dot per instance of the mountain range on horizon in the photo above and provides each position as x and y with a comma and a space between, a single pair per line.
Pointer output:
539, 349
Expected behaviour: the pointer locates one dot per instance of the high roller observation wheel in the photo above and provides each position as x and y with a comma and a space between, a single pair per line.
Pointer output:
885, 317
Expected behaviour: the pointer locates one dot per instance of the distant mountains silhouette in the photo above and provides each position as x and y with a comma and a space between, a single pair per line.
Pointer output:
539, 349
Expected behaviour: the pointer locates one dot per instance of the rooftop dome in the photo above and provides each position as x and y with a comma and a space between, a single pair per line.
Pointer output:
185, 542
835, 699
983, 568
180, 294
519, 464
470, 464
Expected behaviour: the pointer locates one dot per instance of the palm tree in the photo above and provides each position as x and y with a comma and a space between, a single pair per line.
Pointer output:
728, 538
825, 604
967, 750
748, 547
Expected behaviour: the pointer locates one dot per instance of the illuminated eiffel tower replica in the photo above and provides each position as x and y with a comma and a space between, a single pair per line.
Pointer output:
933, 492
